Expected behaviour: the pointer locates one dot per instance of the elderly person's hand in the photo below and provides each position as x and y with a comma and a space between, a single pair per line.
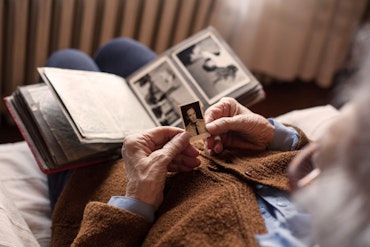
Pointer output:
150, 155
232, 125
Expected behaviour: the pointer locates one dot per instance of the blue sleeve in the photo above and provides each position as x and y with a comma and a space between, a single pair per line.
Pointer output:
133, 205
286, 224
285, 138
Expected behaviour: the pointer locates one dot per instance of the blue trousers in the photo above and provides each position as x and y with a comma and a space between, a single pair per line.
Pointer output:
120, 56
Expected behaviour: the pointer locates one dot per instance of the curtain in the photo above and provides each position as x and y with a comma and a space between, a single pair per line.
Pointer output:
307, 40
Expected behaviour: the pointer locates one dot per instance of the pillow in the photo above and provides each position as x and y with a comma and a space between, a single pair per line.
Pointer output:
25, 186
313, 121
14, 230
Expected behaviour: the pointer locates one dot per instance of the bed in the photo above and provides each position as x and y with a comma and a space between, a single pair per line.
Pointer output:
25, 215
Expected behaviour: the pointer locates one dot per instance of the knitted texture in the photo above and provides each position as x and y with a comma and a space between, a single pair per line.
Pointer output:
214, 205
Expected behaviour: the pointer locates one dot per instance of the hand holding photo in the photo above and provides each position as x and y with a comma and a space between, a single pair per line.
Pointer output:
193, 121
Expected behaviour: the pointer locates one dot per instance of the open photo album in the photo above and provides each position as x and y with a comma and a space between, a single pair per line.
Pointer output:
78, 118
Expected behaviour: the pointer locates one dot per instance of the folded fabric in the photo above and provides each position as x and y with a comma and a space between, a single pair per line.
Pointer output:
14, 229
25, 187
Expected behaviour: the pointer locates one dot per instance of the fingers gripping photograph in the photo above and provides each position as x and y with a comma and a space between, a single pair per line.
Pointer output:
193, 120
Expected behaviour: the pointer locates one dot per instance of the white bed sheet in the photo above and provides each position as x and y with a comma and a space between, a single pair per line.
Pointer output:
25, 187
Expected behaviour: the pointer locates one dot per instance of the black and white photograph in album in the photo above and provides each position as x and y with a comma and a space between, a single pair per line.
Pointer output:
161, 90
211, 68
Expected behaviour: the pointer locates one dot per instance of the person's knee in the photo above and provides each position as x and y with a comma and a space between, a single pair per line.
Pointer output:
122, 56
124, 46
71, 59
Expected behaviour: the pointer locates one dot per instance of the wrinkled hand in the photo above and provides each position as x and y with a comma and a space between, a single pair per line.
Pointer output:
150, 155
232, 125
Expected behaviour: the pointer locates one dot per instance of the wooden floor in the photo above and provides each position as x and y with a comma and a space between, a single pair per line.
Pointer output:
280, 98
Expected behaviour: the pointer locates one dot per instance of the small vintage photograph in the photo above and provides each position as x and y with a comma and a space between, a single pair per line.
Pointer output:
161, 90
193, 120
211, 68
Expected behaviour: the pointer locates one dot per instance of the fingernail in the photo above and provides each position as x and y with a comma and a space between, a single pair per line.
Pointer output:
209, 126
183, 135
218, 148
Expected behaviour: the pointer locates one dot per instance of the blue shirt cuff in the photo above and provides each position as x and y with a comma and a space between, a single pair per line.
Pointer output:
133, 205
285, 138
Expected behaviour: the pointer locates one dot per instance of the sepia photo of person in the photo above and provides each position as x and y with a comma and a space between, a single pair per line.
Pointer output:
193, 120
162, 91
212, 67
